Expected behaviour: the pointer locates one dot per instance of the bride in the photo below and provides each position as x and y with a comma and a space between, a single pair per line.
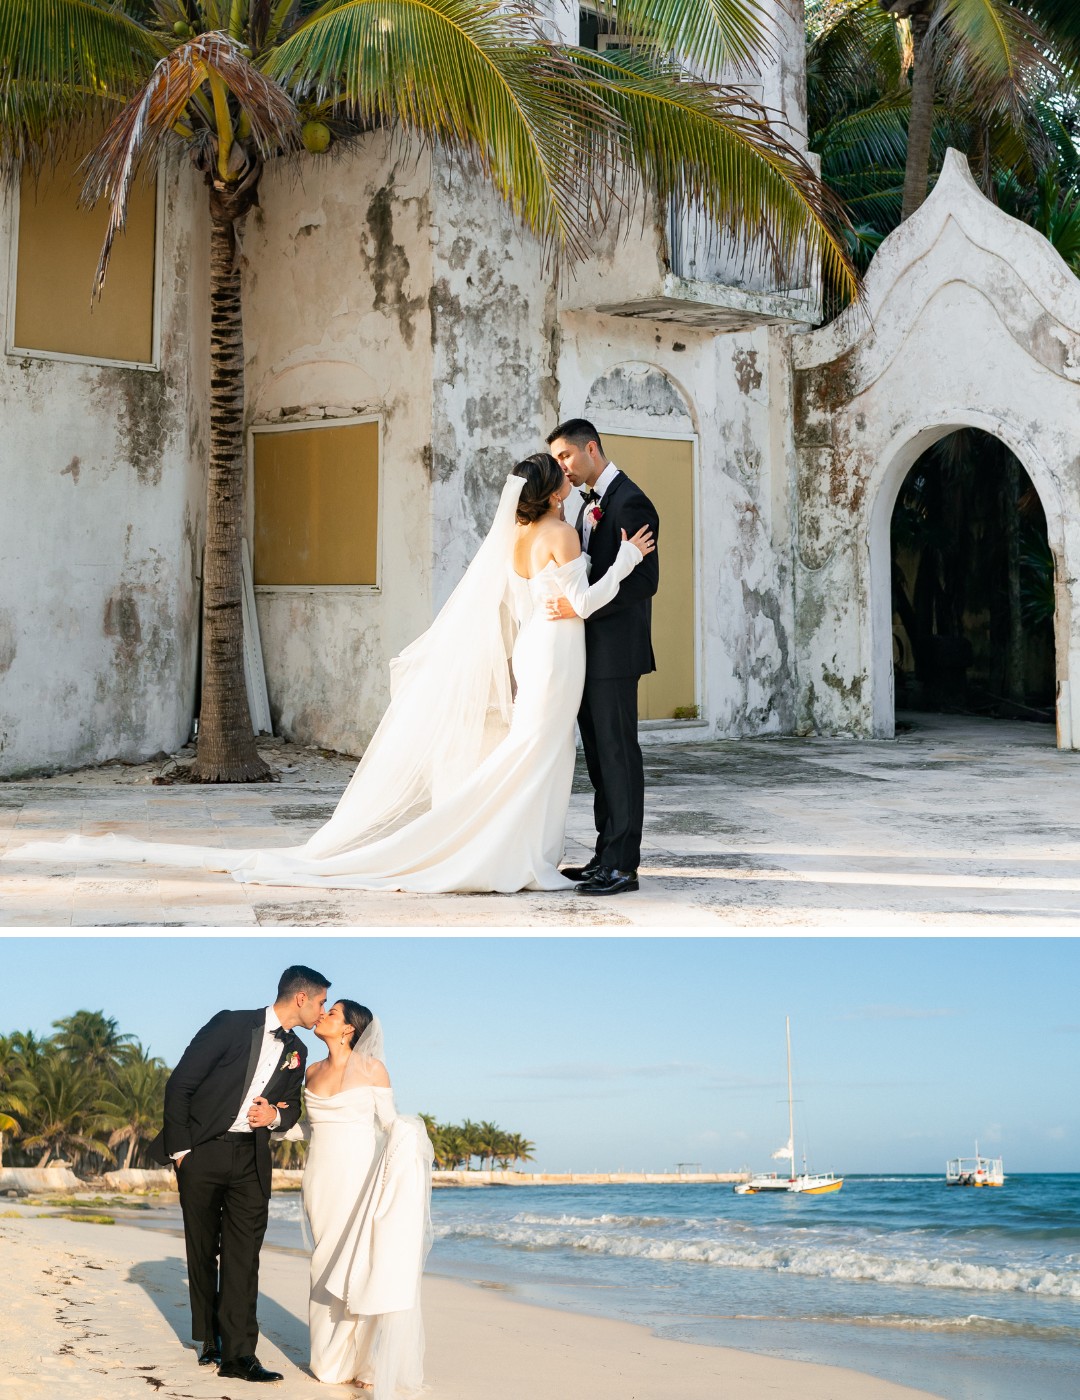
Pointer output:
466, 783
367, 1199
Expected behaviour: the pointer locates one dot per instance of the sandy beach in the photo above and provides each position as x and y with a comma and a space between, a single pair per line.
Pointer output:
94, 1311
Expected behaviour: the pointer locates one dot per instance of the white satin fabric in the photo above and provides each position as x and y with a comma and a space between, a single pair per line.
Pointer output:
476, 805
367, 1197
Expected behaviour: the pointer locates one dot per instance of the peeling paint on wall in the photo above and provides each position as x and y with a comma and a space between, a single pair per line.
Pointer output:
388, 263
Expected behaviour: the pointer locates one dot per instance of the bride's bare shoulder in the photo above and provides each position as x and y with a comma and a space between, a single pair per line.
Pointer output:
564, 541
377, 1076
315, 1072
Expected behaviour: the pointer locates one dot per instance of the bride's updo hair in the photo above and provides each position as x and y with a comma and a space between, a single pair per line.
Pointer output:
543, 477
357, 1016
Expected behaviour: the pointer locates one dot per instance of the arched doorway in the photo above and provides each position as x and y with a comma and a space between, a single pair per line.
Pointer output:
973, 587
970, 321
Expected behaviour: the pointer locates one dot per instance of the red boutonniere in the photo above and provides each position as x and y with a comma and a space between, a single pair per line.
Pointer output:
290, 1061
594, 515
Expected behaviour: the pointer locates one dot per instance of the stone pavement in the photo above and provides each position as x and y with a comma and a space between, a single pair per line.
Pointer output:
955, 824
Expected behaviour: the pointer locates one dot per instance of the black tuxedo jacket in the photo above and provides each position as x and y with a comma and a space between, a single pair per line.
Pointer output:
618, 638
205, 1091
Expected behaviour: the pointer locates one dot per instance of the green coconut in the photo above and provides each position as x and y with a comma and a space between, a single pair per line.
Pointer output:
316, 137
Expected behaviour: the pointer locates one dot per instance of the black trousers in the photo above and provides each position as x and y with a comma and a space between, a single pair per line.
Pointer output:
225, 1210
608, 721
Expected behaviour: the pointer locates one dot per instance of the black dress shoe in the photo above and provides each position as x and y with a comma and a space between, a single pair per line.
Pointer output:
211, 1353
247, 1368
581, 872
609, 881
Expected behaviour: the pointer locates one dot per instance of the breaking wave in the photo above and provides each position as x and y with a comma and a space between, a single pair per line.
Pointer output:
812, 1261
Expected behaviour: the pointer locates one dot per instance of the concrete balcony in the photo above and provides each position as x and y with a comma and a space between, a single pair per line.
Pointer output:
707, 305
681, 277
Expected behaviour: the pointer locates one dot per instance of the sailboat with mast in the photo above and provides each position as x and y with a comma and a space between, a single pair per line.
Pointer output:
804, 1183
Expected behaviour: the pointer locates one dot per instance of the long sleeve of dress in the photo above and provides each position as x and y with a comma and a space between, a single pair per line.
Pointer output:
385, 1109
586, 598
299, 1132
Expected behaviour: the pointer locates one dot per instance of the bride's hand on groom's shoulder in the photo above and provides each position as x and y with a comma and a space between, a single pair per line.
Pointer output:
643, 540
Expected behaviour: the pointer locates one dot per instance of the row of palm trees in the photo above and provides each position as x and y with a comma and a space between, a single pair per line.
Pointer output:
91, 1095
88, 1094
457, 1144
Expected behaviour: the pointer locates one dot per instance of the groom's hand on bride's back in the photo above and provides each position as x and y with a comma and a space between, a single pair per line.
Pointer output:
559, 608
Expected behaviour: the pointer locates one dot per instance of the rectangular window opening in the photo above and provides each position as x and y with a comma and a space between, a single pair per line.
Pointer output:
317, 505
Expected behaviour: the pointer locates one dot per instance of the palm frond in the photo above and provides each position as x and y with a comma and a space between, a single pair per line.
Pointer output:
710, 151
151, 119
860, 52
722, 37
63, 63
476, 78
866, 140
993, 51
1060, 21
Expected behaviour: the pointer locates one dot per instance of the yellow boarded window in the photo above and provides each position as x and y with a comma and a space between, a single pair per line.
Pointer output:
58, 249
317, 506
664, 469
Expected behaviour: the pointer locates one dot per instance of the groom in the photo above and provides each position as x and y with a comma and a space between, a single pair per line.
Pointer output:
618, 652
239, 1079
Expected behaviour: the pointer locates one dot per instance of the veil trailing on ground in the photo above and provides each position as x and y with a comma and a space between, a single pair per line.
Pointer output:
450, 704
450, 701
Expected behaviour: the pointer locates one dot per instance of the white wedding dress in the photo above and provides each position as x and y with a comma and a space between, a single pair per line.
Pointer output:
463, 788
367, 1198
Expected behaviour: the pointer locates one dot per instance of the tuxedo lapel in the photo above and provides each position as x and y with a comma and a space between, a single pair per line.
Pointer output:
255, 1051
286, 1050
607, 501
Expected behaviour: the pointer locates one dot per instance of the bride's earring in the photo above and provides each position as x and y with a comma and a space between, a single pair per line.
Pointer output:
342, 1040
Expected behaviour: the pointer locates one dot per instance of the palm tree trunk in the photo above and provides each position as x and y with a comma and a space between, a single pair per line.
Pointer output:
226, 752
921, 119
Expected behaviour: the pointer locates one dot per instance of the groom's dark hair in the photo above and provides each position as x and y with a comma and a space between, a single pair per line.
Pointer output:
300, 979
579, 431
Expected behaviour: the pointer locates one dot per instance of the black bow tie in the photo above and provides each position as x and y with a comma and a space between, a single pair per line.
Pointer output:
281, 1034
590, 496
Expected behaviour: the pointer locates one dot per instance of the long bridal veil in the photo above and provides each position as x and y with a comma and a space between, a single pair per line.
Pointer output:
380, 1272
450, 704
450, 701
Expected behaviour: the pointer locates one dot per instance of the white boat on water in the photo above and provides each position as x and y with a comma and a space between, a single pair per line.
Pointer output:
974, 1171
804, 1183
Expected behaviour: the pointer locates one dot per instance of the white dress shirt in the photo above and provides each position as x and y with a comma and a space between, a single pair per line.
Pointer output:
603, 481
271, 1055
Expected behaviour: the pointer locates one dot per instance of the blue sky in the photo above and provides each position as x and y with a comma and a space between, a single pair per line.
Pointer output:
644, 1052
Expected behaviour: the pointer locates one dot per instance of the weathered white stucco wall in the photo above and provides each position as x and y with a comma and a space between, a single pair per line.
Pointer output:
970, 319
337, 276
644, 379
100, 532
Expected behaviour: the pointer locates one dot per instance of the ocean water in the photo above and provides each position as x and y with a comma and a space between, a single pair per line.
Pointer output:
967, 1294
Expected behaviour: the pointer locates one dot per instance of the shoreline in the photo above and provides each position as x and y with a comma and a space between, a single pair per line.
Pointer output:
110, 1301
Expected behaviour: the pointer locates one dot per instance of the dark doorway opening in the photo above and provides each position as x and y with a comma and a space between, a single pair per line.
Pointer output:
972, 584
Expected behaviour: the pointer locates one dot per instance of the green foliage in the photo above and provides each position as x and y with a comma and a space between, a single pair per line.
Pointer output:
80, 1095
1006, 94
456, 1144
